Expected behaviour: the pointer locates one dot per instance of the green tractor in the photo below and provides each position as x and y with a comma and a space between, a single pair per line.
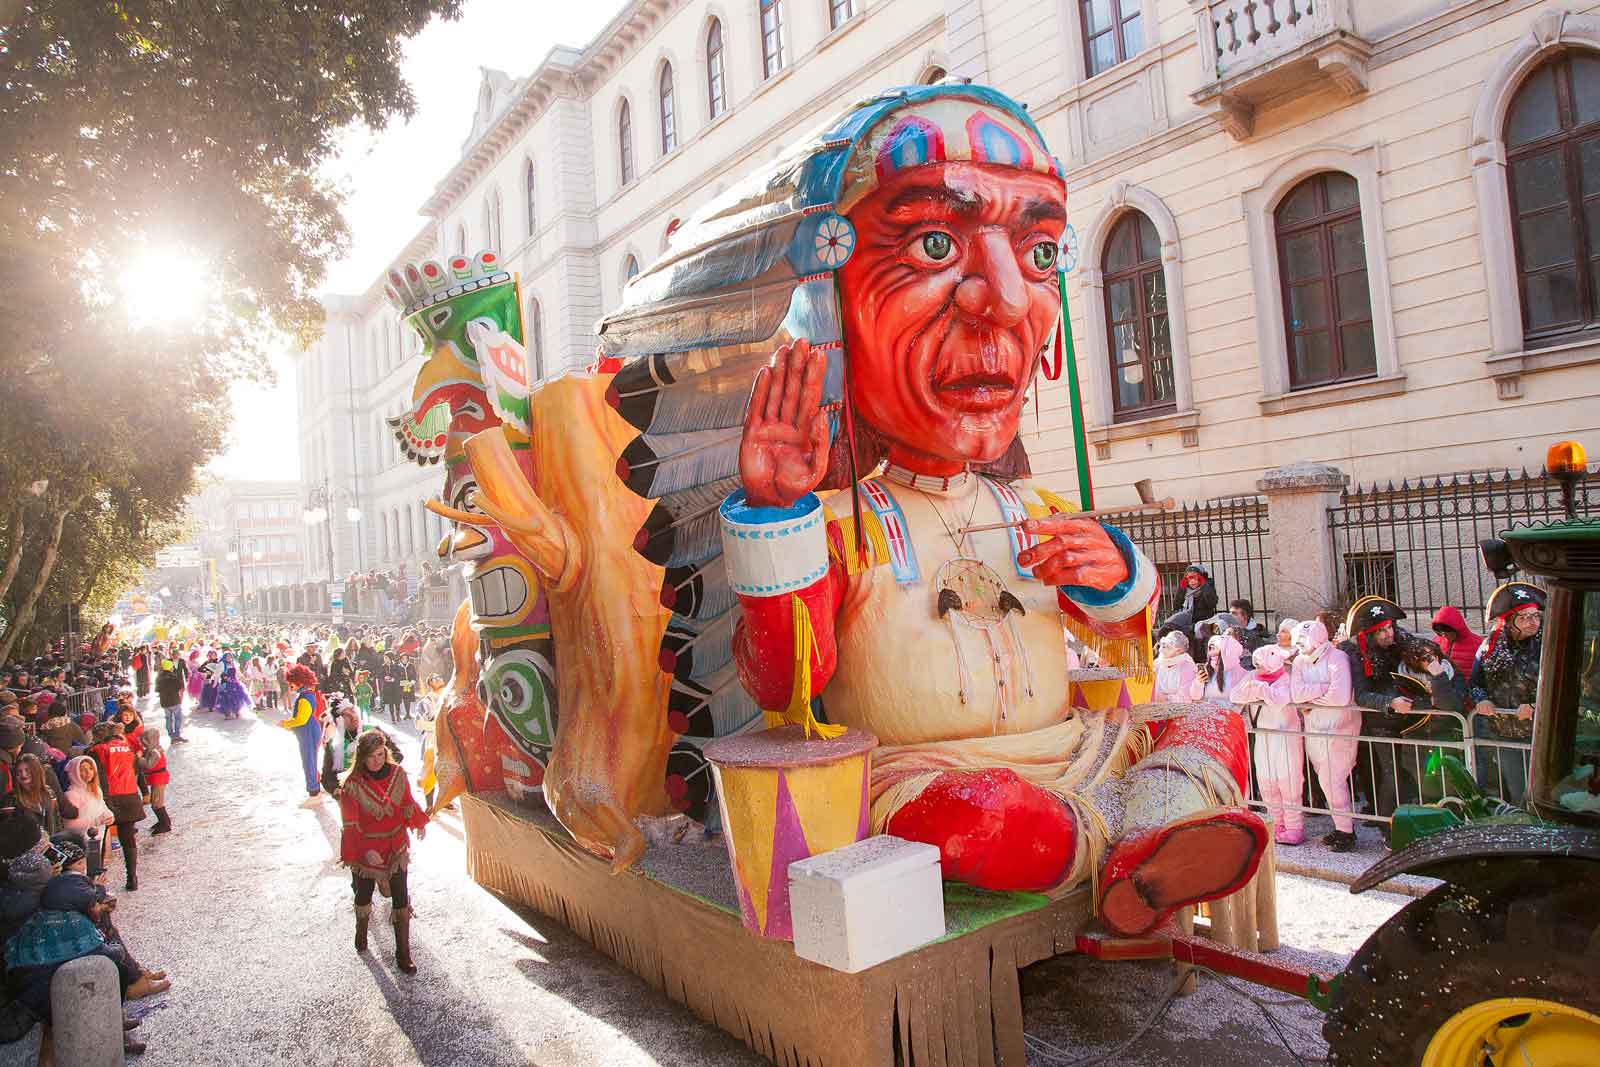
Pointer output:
1500, 965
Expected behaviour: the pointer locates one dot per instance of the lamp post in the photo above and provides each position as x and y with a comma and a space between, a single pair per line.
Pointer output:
316, 511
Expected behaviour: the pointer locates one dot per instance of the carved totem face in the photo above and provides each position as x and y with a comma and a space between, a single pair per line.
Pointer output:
950, 300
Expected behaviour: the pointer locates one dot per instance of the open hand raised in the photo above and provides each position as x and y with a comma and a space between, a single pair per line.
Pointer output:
784, 451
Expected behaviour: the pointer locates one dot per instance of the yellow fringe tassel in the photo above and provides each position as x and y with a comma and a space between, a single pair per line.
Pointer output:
798, 713
1130, 655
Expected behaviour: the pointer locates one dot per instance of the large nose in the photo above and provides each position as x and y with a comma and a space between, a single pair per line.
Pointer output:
993, 289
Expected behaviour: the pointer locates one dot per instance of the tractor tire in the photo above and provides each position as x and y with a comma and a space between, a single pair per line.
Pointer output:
1459, 947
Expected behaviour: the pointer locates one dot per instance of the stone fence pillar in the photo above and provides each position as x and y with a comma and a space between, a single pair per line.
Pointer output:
1304, 575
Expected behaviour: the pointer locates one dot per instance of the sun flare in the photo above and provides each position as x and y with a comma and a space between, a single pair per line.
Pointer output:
164, 287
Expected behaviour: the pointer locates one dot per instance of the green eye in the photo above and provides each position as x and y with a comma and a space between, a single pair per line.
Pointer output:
1044, 255
936, 246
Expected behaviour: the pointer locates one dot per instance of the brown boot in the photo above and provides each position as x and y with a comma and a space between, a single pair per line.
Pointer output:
363, 913
402, 941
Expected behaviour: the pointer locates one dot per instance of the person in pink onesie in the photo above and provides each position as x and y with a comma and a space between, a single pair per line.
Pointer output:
1280, 755
1175, 670
1320, 680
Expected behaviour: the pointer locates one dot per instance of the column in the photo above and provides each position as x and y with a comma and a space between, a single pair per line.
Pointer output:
1304, 570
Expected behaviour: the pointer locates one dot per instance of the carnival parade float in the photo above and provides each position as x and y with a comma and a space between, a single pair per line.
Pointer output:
772, 633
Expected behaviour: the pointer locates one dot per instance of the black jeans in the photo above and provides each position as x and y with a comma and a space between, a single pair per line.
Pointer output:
128, 837
398, 893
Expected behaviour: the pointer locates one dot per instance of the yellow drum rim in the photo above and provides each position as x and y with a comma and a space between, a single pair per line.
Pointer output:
1552, 1035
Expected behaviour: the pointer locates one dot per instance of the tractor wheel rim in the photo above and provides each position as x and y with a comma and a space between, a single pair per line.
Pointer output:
1516, 1030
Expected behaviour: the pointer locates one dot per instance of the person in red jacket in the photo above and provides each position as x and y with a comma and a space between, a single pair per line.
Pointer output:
115, 755
379, 812
1456, 639
152, 763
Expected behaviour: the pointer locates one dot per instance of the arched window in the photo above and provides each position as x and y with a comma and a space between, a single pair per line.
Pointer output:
840, 12
1322, 264
934, 75
461, 239
491, 220
716, 81
630, 268
1552, 139
771, 37
530, 201
534, 328
625, 142
1140, 331
669, 118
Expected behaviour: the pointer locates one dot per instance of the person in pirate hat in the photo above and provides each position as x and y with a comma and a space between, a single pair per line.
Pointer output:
1396, 675
1504, 684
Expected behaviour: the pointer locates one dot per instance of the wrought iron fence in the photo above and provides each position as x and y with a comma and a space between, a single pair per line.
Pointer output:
1231, 536
1417, 542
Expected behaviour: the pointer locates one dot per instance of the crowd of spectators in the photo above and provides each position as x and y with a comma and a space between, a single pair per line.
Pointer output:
1376, 679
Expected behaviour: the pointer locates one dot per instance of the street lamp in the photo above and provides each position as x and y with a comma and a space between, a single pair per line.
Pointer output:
318, 500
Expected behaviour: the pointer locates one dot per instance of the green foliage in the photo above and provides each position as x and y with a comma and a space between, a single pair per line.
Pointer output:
133, 125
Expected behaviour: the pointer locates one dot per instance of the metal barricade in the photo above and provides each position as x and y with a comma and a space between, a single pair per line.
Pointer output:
1391, 771
1501, 765
92, 701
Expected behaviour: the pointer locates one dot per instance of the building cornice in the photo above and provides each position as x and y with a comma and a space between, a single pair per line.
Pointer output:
564, 73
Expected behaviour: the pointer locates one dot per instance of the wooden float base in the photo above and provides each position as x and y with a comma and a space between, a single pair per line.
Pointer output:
955, 1002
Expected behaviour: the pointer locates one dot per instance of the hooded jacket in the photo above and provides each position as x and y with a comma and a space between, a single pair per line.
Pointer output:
1464, 647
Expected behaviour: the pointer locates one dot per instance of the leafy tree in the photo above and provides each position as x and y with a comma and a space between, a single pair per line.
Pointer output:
134, 126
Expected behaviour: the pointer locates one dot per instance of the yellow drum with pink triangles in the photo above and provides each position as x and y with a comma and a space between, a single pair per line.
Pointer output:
785, 797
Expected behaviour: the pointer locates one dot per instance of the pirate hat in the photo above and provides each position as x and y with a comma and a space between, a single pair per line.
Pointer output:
1506, 601
1512, 596
1366, 615
1369, 613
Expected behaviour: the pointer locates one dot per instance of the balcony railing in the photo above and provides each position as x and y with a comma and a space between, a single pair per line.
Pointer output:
1255, 50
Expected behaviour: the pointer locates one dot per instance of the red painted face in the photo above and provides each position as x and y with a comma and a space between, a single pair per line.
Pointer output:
950, 299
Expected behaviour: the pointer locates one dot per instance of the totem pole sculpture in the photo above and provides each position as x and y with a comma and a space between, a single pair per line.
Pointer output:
863, 318
499, 722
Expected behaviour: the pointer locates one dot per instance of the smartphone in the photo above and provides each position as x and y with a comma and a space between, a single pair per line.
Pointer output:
56, 856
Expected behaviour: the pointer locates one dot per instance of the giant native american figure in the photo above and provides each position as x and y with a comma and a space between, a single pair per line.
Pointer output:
758, 500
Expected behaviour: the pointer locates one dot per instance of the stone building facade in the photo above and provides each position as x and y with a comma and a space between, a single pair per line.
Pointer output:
1343, 232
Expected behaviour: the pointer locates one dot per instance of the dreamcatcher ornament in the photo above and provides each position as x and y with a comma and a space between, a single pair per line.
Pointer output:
972, 595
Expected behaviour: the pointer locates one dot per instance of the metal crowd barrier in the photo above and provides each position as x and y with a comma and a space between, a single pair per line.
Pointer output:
92, 701
1500, 766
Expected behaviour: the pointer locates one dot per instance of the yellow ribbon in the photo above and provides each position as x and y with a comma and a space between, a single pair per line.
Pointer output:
798, 713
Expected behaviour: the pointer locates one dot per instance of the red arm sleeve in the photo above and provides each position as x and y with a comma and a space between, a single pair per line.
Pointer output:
763, 642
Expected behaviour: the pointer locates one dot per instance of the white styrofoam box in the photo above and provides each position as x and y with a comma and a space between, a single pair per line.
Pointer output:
864, 903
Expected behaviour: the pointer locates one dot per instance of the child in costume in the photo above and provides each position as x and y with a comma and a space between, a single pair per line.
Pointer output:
152, 762
1320, 678
1280, 756
1175, 669
232, 697
309, 710
363, 694
197, 680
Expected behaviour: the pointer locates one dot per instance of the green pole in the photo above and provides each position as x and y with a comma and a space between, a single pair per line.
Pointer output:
1080, 439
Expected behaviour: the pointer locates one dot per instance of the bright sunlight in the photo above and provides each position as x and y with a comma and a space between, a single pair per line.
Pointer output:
165, 287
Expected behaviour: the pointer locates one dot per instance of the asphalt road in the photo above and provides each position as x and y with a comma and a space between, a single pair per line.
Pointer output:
246, 906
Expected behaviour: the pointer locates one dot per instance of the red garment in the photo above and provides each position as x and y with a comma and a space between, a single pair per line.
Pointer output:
377, 813
116, 764
159, 775
1465, 646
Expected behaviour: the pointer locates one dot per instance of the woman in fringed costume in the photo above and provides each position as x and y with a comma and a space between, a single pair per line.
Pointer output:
379, 815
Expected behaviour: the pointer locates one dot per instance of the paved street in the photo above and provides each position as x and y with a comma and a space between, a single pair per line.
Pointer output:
248, 908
